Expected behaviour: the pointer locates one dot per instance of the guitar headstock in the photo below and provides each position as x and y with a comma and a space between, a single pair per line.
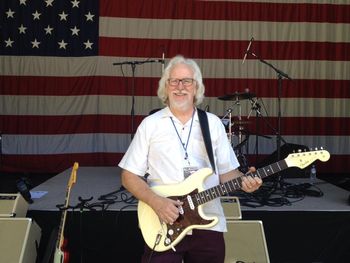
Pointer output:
304, 159
73, 175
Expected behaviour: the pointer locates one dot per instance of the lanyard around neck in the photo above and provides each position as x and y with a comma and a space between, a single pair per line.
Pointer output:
184, 146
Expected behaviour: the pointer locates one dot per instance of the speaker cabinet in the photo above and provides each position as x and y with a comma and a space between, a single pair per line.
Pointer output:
232, 208
19, 240
245, 242
13, 205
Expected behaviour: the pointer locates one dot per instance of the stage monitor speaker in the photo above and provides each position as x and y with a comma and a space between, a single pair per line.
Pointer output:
245, 242
285, 150
232, 207
13, 205
19, 240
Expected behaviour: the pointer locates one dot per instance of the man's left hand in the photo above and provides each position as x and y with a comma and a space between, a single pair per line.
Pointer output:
249, 183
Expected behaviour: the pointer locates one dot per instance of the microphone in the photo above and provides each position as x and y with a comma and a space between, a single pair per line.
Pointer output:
22, 185
247, 51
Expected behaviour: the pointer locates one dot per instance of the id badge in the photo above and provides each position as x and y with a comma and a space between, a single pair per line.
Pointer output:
189, 170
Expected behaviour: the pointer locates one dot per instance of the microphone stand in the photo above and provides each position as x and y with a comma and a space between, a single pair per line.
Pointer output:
133, 68
280, 76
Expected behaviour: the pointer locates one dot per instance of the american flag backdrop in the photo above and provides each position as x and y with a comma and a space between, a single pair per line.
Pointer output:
63, 100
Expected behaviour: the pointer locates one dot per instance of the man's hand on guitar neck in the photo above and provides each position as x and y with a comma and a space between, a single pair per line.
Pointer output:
249, 183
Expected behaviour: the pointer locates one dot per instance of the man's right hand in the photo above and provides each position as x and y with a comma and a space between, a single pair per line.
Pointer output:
166, 209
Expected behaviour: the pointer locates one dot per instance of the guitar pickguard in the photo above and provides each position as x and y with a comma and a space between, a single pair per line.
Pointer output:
188, 218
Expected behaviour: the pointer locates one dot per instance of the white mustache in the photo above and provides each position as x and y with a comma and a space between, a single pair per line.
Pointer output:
180, 93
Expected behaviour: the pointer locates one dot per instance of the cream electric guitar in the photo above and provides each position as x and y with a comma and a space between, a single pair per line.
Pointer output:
161, 236
61, 253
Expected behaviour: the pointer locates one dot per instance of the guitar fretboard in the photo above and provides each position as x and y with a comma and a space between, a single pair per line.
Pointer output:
236, 184
71, 181
63, 219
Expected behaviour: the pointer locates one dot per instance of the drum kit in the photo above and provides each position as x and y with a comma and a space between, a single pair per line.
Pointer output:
236, 126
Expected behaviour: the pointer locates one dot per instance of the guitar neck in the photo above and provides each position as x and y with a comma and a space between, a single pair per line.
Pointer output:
236, 184
60, 237
72, 180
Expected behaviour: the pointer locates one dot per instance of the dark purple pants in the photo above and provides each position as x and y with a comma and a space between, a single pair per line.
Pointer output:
200, 247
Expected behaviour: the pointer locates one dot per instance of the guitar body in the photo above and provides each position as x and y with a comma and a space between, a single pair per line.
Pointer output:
62, 254
167, 236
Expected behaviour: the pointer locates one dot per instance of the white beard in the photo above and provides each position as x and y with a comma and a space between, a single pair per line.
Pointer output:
181, 105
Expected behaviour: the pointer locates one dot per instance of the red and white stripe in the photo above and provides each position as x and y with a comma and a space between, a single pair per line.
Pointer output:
57, 110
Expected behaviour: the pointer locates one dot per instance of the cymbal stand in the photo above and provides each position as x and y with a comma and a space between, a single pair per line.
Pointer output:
230, 137
238, 149
240, 127
228, 117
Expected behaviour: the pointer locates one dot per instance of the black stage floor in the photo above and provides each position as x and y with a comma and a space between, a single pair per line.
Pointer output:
303, 228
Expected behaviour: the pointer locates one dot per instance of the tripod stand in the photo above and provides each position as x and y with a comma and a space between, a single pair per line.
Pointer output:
133, 69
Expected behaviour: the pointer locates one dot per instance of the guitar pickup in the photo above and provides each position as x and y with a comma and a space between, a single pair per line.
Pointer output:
190, 202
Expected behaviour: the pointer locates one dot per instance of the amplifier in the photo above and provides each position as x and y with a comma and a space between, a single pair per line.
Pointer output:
19, 240
13, 205
245, 242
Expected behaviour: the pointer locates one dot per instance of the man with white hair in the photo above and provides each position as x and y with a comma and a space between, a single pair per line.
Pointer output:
170, 147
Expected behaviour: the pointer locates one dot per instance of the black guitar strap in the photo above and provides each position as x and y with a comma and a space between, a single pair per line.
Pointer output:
203, 121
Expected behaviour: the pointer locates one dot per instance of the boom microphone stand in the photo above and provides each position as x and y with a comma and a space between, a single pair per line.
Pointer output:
280, 76
133, 68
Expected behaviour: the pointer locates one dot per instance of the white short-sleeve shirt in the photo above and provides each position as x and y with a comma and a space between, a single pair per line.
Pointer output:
156, 149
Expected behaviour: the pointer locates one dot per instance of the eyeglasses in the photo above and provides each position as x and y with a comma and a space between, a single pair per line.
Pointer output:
186, 82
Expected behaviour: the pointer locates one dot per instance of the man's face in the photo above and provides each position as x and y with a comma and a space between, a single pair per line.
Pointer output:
181, 87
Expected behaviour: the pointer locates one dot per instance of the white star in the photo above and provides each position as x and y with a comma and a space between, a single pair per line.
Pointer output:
75, 3
63, 16
89, 16
48, 3
35, 43
48, 30
22, 29
10, 13
36, 15
88, 44
75, 31
62, 44
9, 42
22, 2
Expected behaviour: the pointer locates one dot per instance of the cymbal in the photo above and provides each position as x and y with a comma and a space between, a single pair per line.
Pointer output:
238, 96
